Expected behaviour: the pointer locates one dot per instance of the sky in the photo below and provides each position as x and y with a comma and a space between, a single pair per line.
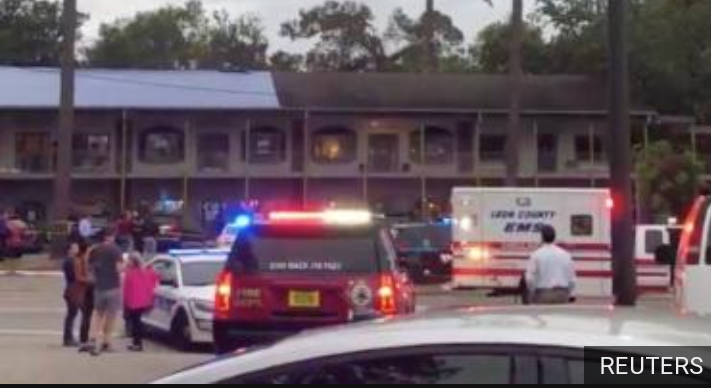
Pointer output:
469, 15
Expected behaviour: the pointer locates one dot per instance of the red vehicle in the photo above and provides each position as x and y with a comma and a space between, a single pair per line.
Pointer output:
299, 270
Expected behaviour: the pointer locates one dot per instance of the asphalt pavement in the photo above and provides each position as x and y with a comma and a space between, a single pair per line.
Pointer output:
31, 313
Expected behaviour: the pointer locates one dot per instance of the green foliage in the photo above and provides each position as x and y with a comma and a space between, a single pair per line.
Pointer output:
668, 179
30, 32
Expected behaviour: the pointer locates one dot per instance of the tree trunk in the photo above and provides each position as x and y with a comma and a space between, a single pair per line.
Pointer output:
516, 92
431, 65
63, 174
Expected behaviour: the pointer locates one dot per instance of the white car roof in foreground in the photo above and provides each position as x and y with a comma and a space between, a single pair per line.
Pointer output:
567, 327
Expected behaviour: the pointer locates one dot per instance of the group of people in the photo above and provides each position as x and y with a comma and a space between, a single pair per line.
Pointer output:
101, 282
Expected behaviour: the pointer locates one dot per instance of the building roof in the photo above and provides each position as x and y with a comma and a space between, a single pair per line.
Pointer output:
38, 88
445, 92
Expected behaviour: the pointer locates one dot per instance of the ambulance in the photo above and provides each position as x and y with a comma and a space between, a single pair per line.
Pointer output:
495, 230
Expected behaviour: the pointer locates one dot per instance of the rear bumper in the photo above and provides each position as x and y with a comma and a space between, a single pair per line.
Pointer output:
240, 334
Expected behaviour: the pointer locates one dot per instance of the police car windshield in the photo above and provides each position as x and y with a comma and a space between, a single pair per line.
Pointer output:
201, 274
307, 250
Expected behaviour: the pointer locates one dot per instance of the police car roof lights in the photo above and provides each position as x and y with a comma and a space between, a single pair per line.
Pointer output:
242, 221
329, 217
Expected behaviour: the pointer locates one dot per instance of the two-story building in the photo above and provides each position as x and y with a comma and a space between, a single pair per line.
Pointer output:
398, 142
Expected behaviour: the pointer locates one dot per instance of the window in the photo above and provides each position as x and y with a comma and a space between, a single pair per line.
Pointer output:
383, 153
213, 152
267, 145
492, 148
653, 239
162, 145
439, 146
585, 151
581, 225
91, 152
334, 145
166, 271
33, 152
404, 369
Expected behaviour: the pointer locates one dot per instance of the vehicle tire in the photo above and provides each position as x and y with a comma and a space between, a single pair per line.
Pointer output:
180, 332
224, 344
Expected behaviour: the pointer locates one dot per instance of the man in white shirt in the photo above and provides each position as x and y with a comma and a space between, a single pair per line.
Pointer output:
550, 275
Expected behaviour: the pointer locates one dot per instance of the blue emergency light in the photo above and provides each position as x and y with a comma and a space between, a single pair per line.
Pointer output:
242, 221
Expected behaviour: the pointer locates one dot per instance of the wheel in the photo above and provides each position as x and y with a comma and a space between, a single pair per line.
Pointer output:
180, 332
224, 343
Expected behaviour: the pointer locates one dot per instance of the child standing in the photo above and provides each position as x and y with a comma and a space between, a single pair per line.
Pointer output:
138, 293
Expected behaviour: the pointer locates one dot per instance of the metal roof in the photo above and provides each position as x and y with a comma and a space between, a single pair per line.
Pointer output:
38, 88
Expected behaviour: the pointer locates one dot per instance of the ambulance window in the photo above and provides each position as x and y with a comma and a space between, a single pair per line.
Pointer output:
581, 225
652, 240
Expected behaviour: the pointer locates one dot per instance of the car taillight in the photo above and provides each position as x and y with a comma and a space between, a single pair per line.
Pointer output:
387, 304
223, 293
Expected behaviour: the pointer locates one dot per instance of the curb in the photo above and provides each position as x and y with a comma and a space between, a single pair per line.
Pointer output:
32, 273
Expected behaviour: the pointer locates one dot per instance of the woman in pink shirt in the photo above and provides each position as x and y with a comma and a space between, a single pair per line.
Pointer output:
138, 293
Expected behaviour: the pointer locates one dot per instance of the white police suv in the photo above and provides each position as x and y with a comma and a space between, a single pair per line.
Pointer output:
184, 300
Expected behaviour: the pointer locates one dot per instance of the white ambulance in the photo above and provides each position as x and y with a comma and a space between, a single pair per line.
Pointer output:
497, 229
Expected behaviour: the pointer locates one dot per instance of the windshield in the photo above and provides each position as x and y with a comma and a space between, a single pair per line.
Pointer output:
201, 274
423, 237
288, 250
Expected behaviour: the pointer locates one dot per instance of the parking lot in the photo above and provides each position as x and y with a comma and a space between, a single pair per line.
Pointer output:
30, 337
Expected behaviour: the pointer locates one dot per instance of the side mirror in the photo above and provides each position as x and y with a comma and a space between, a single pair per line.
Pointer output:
168, 282
665, 255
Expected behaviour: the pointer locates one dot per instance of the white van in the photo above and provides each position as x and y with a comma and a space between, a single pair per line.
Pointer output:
692, 260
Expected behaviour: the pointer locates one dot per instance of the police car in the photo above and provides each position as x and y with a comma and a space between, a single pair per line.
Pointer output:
524, 345
184, 305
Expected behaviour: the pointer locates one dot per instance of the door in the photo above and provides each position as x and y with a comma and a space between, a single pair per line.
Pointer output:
165, 295
547, 153
698, 277
383, 153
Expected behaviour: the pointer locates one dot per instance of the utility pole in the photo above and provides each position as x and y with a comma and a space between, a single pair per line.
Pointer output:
513, 140
625, 277
63, 173
429, 20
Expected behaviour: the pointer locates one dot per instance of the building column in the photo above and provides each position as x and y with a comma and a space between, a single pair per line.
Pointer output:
247, 159
537, 156
423, 174
123, 191
307, 159
477, 147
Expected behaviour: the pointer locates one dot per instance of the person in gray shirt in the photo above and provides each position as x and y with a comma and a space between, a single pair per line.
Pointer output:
105, 266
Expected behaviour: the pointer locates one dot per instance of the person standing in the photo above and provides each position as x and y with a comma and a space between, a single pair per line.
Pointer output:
138, 294
74, 294
4, 233
86, 229
105, 265
124, 230
550, 274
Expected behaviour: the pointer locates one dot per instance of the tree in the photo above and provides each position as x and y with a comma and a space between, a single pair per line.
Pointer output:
347, 39
491, 50
30, 32
166, 38
284, 61
426, 44
237, 42
181, 37
667, 179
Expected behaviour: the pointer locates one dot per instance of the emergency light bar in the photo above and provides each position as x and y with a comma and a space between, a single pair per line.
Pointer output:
330, 217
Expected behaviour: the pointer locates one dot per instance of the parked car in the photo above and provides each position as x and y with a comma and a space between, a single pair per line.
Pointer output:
424, 250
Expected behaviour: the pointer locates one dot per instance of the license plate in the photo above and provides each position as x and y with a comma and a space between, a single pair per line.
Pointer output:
304, 299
